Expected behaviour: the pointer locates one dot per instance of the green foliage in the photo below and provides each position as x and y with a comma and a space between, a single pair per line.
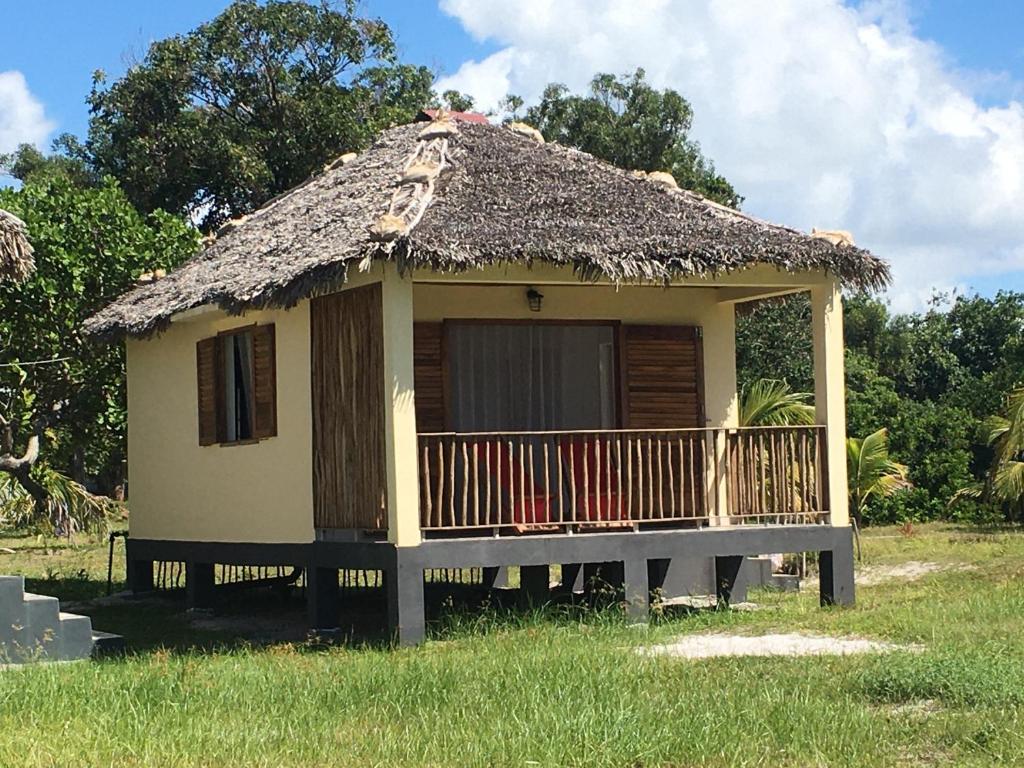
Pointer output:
771, 403
930, 378
67, 160
628, 123
456, 101
773, 341
1003, 484
215, 122
90, 246
870, 472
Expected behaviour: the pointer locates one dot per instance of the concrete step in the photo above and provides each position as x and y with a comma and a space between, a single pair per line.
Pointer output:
12, 614
74, 637
106, 644
39, 637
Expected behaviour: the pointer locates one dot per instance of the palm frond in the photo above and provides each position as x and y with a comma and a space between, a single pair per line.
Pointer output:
70, 506
772, 403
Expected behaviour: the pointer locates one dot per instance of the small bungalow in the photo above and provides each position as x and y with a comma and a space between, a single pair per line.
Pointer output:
467, 348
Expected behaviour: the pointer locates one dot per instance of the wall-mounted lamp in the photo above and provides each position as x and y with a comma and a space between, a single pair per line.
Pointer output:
534, 298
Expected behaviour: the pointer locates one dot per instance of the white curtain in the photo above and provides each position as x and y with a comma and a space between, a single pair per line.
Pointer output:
522, 377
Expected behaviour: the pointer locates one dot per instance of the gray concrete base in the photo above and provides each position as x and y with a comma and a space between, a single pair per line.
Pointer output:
637, 561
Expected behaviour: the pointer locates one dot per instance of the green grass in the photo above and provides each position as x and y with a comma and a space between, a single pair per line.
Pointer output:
555, 687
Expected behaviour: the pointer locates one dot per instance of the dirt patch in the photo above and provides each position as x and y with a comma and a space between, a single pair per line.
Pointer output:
791, 644
911, 570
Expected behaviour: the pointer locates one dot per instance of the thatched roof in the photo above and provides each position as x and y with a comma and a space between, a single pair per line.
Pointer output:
483, 195
16, 262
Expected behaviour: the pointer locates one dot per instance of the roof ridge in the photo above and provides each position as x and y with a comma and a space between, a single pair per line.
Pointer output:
415, 186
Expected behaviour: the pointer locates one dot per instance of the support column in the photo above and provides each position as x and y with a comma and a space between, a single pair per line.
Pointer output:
835, 568
406, 612
199, 585
572, 578
721, 404
139, 575
401, 457
322, 597
638, 595
495, 577
830, 392
535, 584
729, 586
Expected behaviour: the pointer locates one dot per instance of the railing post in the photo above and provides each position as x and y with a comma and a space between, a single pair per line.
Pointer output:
716, 482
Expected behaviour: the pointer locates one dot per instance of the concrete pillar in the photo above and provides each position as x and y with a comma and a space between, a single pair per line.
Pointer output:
139, 575
835, 569
199, 585
322, 597
830, 392
535, 584
637, 590
572, 577
495, 577
729, 584
406, 611
401, 456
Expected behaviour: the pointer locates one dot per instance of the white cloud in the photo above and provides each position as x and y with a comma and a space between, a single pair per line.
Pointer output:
820, 114
22, 119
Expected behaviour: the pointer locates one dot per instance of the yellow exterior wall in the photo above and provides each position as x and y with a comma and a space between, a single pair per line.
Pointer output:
259, 492
630, 304
262, 492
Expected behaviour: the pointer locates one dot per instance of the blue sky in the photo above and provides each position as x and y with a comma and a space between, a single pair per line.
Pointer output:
57, 44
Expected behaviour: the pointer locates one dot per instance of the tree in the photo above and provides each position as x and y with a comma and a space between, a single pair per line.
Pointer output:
66, 159
773, 341
771, 403
871, 473
457, 101
55, 387
213, 123
630, 124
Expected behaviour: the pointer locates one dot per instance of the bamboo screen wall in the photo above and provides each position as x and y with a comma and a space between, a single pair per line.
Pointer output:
349, 483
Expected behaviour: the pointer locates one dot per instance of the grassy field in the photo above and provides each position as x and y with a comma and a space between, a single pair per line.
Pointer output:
556, 687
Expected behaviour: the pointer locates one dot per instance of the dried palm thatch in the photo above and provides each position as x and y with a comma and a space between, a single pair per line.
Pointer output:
498, 198
16, 262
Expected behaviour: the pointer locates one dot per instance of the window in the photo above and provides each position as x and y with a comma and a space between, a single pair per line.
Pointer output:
237, 386
236, 359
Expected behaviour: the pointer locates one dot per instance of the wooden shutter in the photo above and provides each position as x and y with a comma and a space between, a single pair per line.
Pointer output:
429, 376
264, 364
662, 377
207, 370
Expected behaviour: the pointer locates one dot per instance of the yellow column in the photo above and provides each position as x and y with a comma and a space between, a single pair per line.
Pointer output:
721, 404
830, 391
400, 411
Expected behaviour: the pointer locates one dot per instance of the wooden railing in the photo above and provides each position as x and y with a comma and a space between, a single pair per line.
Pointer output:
518, 481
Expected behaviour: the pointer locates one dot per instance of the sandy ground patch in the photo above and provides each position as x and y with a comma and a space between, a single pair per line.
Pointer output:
790, 644
912, 570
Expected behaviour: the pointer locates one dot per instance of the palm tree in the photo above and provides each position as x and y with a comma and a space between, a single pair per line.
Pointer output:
871, 474
771, 403
1004, 481
16, 261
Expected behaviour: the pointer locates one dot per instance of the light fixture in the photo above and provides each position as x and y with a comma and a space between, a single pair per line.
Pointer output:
534, 298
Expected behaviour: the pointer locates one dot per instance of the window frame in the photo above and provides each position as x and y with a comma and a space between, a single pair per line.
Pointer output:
222, 426
212, 377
